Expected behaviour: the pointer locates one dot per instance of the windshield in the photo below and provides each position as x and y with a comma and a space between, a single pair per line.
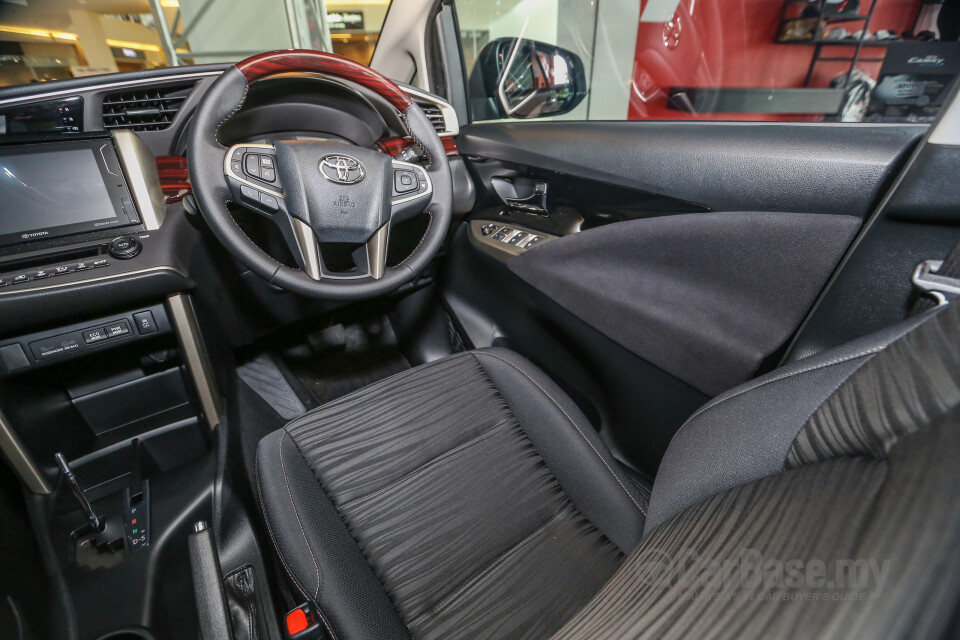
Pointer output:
44, 40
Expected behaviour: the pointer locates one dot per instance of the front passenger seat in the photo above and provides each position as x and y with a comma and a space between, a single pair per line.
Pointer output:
470, 498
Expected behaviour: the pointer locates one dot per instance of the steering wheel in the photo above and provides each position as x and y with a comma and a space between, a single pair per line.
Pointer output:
319, 193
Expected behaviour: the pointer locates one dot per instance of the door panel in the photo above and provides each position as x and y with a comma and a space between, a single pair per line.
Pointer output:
705, 297
812, 168
657, 283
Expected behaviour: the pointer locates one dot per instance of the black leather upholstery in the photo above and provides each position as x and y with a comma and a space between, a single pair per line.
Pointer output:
433, 502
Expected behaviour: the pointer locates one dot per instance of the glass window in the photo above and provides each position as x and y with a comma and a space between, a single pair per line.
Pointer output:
758, 60
41, 41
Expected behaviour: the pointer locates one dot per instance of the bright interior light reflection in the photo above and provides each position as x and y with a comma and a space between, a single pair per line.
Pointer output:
561, 74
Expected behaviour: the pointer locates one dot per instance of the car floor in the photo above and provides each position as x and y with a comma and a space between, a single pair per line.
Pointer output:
284, 376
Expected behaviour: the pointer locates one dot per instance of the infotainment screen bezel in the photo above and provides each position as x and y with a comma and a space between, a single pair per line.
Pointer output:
124, 212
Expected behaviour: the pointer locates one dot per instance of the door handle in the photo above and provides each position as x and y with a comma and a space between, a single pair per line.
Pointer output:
535, 203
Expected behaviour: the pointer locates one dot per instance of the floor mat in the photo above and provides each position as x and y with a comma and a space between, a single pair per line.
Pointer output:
358, 355
266, 380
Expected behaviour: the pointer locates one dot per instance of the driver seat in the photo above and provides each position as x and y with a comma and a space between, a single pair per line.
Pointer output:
469, 498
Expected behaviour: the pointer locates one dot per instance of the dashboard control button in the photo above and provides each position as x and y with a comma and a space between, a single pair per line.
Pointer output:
128, 207
59, 271
41, 274
268, 175
251, 165
123, 248
13, 357
145, 322
82, 266
100, 262
269, 202
4, 282
20, 278
94, 335
116, 329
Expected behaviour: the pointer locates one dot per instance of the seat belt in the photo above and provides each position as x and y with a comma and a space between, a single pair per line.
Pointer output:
937, 281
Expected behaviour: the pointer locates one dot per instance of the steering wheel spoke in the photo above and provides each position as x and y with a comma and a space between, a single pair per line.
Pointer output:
370, 258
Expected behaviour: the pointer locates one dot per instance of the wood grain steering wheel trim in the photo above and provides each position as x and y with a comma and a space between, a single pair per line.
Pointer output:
274, 62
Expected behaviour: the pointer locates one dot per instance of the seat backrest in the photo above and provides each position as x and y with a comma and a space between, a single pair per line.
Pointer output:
816, 501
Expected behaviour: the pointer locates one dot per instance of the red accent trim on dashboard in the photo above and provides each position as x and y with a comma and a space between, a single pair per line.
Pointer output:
174, 177
393, 146
274, 62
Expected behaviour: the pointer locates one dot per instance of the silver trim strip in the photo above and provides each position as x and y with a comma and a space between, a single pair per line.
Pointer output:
308, 247
450, 122
39, 97
140, 167
184, 323
20, 460
12, 289
228, 170
377, 252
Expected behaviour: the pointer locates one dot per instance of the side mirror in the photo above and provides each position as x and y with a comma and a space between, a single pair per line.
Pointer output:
516, 78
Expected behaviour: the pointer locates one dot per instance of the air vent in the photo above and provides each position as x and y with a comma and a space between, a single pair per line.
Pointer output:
434, 115
149, 109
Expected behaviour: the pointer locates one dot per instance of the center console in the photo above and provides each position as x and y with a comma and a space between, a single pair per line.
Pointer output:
107, 401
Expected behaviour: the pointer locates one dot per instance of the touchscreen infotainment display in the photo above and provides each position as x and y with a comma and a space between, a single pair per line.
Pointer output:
56, 189
50, 189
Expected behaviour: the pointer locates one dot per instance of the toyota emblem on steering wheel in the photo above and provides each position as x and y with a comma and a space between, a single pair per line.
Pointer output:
341, 169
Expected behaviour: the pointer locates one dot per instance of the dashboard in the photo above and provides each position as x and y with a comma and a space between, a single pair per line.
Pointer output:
93, 178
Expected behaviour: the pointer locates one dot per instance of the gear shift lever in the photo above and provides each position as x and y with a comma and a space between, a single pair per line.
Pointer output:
78, 492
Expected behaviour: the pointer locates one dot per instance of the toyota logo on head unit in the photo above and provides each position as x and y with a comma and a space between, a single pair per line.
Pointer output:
341, 169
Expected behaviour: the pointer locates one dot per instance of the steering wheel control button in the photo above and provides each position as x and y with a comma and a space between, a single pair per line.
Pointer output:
123, 248
250, 194
405, 181
145, 322
269, 202
268, 175
251, 165
266, 162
